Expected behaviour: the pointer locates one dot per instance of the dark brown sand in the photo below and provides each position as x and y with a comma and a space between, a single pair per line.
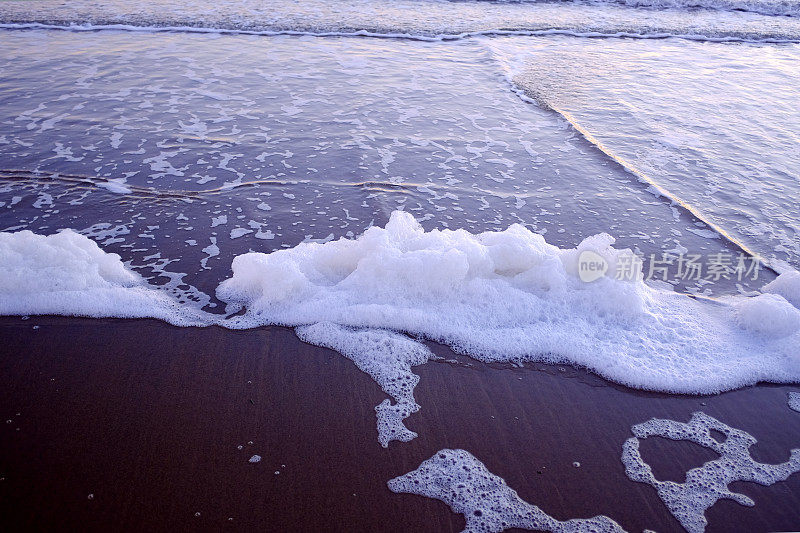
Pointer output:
147, 418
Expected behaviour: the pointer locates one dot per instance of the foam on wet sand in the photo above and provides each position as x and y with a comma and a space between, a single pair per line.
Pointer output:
387, 357
505, 296
511, 296
709, 483
69, 274
488, 504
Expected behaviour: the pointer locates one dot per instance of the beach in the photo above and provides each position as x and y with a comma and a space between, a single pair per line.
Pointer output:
148, 418
418, 265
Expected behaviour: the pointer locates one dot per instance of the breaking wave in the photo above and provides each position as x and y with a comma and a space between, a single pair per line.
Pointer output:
498, 296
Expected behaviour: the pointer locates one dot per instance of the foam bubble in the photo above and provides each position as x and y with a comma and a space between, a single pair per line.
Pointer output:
511, 296
461, 481
794, 401
387, 358
707, 484
68, 274
786, 285
768, 314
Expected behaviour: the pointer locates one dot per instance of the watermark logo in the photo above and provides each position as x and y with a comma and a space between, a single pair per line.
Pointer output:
591, 266
669, 267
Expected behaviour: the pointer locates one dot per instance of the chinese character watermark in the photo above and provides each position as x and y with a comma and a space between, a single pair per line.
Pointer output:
669, 266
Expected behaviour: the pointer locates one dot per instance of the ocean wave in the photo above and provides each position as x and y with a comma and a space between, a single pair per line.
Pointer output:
426, 20
531, 87
441, 37
762, 7
599, 92
505, 296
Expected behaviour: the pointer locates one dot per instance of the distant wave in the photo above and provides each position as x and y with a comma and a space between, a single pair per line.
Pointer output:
762, 7
425, 20
721, 38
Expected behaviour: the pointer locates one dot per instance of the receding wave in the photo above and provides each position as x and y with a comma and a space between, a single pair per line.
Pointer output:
658, 190
423, 19
596, 93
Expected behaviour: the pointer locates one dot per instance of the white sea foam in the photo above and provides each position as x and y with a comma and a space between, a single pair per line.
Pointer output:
69, 274
786, 285
730, 36
488, 504
497, 296
387, 357
768, 314
794, 401
707, 484
510, 296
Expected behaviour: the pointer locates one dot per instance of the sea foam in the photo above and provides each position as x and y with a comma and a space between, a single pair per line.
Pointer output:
488, 504
786, 285
387, 357
511, 296
794, 401
69, 274
707, 484
505, 296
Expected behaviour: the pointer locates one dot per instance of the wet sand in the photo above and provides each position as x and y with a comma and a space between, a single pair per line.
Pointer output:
147, 418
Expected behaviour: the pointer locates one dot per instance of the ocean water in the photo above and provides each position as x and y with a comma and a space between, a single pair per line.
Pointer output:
180, 137
222, 167
711, 127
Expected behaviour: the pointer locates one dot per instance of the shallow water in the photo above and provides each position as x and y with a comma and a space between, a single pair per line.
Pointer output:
180, 151
713, 126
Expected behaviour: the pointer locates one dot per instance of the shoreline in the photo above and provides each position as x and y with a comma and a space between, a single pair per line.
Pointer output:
147, 418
